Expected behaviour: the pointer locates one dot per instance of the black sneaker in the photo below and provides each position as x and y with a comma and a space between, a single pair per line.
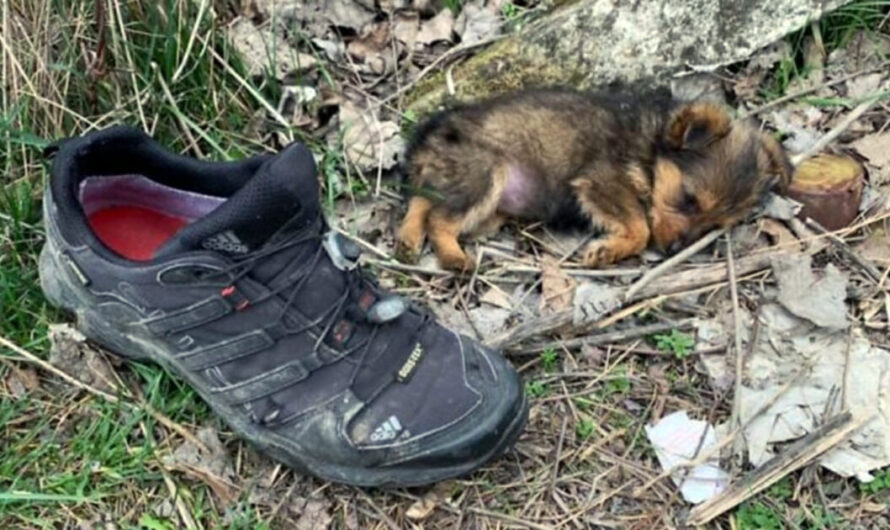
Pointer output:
227, 274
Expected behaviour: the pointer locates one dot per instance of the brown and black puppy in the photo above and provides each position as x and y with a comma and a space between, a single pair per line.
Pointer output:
640, 168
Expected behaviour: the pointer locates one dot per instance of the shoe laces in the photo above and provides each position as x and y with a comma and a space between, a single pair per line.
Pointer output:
348, 303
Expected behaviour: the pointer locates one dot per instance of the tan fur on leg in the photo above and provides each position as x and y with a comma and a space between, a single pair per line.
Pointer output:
490, 226
444, 231
625, 239
625, 225
409, 239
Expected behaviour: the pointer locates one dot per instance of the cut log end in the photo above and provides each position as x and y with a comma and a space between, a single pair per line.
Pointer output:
830, 189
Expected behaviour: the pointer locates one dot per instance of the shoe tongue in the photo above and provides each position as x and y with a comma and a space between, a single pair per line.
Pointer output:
281, 197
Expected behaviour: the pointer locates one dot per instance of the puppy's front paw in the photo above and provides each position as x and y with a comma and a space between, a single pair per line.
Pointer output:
600, 253
409, 243
462, 262
407, 252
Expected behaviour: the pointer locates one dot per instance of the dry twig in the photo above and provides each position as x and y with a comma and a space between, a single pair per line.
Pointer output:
673, 261
830, 136
799, 454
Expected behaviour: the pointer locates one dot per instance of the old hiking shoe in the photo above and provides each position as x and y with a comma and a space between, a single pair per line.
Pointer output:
227, 274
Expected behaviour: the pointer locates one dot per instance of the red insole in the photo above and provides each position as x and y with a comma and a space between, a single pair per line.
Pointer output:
133, 232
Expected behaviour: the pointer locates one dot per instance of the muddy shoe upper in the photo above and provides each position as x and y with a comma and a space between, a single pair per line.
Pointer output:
227, 273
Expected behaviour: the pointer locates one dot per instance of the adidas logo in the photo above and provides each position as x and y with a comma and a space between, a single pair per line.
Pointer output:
225, 242
387, 430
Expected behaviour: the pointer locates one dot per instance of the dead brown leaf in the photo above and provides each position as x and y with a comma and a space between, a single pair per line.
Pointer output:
369, 142
438, 28
422, 508
368, 219
212, 467
874, 147
255, 47
373, 40
557, 287
405, 27
819, 299
746, 84
71, 353
780, 235
392, 6
20, 381
593, 355
477, 22
876, 247
863, 49
497, 297
373, 49
346, 13
864, 85
314, 513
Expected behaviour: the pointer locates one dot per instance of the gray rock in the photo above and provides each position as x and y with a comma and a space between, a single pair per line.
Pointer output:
591, 42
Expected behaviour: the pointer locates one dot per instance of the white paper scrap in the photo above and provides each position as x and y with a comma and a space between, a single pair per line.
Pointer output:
678, 439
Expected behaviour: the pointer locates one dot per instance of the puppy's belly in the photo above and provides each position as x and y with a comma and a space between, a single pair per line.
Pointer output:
520, 196
525, 196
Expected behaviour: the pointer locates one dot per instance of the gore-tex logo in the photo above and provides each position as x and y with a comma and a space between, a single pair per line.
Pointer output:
225, 242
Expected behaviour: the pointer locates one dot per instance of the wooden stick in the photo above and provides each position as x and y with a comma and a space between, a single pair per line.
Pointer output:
612, 336
830, 136
798, 455
737, 321
673, 261
674, 283
682, 281
800, 93
867, 267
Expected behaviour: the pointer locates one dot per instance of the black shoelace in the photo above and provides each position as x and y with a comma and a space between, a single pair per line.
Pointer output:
346, 304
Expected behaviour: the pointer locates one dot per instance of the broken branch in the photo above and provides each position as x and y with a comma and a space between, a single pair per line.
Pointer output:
830, 136
799, 454
673, 261
613, 336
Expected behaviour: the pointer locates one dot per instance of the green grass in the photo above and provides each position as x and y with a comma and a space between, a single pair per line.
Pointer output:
549, 360
836, 29
65, 456
758, 516
585, 428
775, 509
676, 342
880, 483
618, 382
536, 389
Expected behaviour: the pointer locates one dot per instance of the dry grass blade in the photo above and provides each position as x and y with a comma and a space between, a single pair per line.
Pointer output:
831, 135
167, 422
737, 337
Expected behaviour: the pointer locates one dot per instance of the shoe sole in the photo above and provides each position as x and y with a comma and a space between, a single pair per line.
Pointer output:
63, 291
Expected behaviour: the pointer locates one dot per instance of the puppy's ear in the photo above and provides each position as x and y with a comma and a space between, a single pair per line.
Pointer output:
778, 163
696, 125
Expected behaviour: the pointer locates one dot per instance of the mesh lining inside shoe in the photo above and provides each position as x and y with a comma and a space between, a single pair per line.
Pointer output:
134, 215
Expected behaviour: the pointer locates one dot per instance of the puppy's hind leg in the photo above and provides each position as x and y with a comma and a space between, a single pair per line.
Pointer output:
409, 239
444, 229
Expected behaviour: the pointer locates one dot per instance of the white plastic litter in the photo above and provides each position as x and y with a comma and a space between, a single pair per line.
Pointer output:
678, 439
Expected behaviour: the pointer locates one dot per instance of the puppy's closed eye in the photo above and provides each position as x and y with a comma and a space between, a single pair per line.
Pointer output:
689, 204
